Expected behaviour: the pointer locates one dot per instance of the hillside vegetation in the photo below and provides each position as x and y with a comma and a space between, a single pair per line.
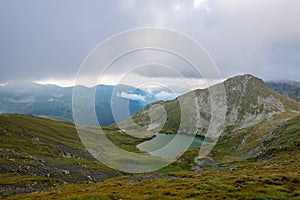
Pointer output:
274, 174
37, 153
256, 157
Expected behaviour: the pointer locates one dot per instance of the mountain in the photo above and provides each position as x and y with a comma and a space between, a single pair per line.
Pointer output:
118, 96
256, 157
287, 88
56, 102
36, 99
249, 101
259, 122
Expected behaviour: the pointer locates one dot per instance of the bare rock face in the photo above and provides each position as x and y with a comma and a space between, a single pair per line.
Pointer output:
250, 101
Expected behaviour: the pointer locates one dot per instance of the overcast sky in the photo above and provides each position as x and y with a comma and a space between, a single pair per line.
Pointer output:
47, 40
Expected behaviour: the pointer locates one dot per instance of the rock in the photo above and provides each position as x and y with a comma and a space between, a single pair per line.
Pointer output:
66, 155
66, 172
233, 168
205, 161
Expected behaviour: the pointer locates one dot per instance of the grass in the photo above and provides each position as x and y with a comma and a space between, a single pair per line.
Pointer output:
273, 174
28, 127
183, 162
44, 137
14, 178
245, 183
123, 140
270, 135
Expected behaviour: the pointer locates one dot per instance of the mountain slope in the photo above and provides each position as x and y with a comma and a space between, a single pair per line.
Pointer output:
249, 102
273, 174
268, 141
38, 153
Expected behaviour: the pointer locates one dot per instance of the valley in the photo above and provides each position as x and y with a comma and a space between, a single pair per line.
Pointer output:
149, 100
256, 157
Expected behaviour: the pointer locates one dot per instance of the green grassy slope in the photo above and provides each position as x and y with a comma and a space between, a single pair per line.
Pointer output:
238, 171
37, 153
270, 135
264, 183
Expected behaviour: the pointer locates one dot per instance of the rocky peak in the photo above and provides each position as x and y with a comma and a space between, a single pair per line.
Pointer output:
249, 101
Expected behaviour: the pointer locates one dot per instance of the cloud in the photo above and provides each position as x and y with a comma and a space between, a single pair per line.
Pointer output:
163, 95
242, 36
135, 97
177, 7
201, 5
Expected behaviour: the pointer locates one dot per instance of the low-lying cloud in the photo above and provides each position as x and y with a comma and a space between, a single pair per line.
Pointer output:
135, 97
163, 95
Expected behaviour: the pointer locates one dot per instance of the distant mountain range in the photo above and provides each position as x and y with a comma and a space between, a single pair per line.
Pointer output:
56, 102
287, 88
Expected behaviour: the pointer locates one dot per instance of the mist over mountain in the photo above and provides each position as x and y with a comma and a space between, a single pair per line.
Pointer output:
55, 101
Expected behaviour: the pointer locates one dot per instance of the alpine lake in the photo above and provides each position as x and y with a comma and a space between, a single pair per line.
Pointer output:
169, 146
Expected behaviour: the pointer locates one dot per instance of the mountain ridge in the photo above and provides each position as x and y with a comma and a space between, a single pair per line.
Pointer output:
249, 101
